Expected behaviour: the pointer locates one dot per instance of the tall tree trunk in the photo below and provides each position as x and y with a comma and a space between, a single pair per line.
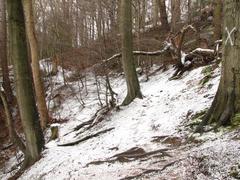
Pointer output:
23, 82
227, 100
99, 18
3, 52
133, 87
163, 15
217, 19
10, 124
176, 13
155, 12
143, 14
38, 84
189, 5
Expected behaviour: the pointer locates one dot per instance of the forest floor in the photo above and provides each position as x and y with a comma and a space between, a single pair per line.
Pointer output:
152, 138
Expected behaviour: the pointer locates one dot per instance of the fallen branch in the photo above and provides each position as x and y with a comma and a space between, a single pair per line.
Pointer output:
167, 47
7, 147
87, 138
95, 119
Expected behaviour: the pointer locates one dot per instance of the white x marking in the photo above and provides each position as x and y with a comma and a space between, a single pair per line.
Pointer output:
229, 35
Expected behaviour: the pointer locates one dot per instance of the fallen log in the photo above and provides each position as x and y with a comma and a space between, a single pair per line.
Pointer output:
167, 48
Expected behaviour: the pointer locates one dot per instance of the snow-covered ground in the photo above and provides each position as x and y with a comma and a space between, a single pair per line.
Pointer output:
152, 123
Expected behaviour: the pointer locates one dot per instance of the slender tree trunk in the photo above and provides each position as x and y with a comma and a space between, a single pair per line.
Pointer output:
163, 15
176, 13
143, 14
133, 87
38, 84
99, 18
3, 52
23, 83
227, 100
155, 12
189, 11
217, 19
10, 124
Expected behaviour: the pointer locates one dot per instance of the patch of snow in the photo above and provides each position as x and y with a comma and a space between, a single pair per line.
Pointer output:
160, 113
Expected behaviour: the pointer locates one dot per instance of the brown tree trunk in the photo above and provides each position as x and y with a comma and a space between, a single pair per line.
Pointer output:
3, 52
23, 82
217, 19
155, 12
227, 100
38, 84
133, 87
163, 15
176, 13
10, 124
189, 11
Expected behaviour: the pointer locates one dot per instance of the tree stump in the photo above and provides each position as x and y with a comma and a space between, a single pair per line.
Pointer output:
54, 131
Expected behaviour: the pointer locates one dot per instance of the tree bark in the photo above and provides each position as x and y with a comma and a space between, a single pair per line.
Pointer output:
217, 19
176, 13
3, 52
23, 82
163, 15
10, 124
133, 87
38, 84
189, 11
227, 100
155, 12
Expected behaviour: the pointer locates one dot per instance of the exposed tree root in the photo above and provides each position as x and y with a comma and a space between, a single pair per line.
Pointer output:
149, 171
133, 154
87, 138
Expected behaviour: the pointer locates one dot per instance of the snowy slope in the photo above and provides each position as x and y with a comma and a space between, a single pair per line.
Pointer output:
161, 113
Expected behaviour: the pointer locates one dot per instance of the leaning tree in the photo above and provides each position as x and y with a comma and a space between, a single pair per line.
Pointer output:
226, 104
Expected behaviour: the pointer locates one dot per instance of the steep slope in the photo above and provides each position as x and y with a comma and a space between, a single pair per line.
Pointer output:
152, 128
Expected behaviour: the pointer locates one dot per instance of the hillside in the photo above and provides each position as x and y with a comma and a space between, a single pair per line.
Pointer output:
156, 130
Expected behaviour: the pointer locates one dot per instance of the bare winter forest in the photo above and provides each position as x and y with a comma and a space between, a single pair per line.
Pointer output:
119, 89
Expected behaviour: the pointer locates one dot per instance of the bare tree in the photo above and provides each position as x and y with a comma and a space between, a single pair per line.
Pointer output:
133, 87
23, 82
3, 51
38, 84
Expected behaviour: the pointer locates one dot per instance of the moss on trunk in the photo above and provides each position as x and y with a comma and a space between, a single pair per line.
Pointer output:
23, 81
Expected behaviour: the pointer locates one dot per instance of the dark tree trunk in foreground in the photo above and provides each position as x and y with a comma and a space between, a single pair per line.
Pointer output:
3, 52
133, 87
227, 100
23, 81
